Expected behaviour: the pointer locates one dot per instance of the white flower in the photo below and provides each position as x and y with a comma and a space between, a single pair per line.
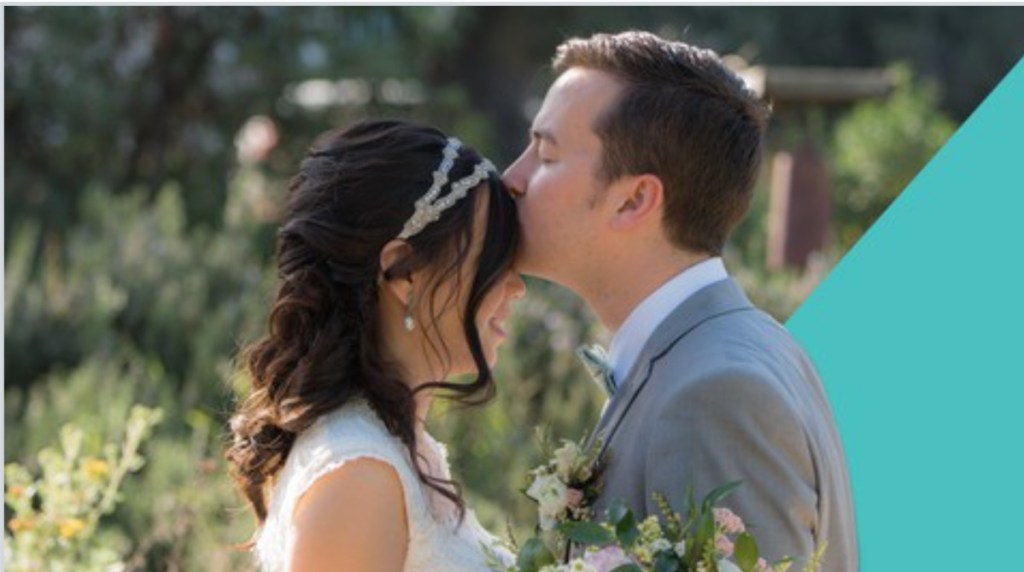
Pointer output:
681, 549
578, 565
567, 458
727, 566
659, 545
552, 496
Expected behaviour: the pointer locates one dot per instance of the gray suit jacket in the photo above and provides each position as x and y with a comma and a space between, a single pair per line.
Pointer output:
721, 392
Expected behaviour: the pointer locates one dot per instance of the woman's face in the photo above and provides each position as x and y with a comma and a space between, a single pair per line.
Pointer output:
494, 308
494, 311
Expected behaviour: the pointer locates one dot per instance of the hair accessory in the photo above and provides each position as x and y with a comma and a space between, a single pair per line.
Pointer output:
429, 207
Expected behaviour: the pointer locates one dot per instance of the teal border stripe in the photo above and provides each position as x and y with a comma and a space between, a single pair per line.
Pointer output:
918, 336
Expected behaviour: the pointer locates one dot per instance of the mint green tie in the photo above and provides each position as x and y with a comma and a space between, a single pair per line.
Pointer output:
595, 359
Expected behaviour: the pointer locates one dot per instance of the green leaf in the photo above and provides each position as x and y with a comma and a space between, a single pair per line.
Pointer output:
706, 529
690, 502
667, 561
534, 556
616, 512
784, 564
718, 494
745, 552
626, 529
628, 568
587, 533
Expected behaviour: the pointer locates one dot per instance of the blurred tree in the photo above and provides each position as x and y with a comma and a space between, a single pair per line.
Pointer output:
879, 147
127, 96
130, 96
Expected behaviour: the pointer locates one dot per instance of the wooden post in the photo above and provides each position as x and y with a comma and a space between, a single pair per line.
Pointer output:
800, 207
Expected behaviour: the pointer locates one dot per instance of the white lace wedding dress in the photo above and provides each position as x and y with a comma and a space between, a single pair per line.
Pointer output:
355, 431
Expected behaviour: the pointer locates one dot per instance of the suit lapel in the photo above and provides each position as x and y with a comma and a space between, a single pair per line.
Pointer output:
720, 298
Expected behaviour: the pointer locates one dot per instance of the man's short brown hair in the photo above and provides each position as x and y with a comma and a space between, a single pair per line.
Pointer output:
683, 116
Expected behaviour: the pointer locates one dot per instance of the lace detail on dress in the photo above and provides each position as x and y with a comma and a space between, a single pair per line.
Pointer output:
352, 432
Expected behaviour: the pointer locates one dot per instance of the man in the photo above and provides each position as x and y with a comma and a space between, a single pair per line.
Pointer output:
641, 162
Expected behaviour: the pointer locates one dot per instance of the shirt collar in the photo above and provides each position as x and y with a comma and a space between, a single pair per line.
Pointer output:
629, 341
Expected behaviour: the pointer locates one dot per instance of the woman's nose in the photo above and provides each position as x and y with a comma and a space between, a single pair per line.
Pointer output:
516, 286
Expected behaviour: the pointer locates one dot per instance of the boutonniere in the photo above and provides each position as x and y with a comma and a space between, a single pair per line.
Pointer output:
566, 485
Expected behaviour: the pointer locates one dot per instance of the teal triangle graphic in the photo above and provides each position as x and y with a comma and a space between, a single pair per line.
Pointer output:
919, 337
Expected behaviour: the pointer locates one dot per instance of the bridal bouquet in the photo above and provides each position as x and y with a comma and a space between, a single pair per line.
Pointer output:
701, 538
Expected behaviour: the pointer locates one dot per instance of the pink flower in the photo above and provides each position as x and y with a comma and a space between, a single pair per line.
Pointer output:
762, 565
574, 498
728, 521
607, 559
724, 545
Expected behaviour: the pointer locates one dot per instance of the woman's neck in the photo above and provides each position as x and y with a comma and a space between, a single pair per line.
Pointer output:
424, 399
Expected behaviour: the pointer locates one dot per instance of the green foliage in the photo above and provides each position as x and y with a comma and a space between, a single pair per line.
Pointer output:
144, 310
534, 556
129, 98
712, 539
587, 533
135, 96
55, 516
626, 531
746, 552
780, 292
131, 275
176, 512
878, 149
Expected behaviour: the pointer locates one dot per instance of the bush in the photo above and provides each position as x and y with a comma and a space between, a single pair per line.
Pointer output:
55, 522
137, 308
879, 147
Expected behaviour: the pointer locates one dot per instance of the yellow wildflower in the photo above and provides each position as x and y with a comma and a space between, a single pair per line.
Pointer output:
71, 527
96, 469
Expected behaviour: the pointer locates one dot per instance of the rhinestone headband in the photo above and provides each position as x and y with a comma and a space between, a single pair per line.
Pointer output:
429, 207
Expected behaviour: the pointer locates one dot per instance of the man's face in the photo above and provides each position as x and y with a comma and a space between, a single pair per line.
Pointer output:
555, 179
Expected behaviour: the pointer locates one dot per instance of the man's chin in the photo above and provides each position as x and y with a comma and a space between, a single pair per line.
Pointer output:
544, 273
538, 263
532, 270
530, 264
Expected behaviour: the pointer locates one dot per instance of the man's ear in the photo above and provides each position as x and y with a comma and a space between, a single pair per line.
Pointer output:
637, 199
395, 278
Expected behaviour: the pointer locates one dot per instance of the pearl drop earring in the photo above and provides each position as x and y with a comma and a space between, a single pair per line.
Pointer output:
408, 323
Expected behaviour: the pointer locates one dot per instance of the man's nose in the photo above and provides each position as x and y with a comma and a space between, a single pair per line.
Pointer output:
513, 179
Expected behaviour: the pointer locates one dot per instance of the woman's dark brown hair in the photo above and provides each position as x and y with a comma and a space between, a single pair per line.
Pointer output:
353, 193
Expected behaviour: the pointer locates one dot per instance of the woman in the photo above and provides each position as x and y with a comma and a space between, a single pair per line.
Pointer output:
396, 274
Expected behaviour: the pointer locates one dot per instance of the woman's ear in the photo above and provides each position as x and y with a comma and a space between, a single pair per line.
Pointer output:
639, 200
394, 278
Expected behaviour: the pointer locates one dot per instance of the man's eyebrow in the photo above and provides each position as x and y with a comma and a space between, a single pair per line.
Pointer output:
544, 135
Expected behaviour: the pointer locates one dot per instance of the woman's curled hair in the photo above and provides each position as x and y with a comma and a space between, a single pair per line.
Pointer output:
353, 193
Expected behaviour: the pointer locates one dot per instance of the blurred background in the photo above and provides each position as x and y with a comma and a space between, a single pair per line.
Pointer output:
146, 155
